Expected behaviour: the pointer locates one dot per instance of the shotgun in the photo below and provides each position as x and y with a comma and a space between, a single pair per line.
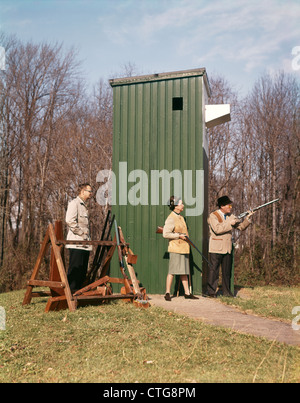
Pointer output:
159, 230
122, 268
257, 208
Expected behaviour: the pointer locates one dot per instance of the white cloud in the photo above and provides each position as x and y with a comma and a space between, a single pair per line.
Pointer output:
240, 38
242, 31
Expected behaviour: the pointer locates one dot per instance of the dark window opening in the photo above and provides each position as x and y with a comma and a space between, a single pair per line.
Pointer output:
177, 104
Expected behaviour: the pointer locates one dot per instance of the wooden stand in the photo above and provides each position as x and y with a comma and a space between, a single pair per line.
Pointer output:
98, 291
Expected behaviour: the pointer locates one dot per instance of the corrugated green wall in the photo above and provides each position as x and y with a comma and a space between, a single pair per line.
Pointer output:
149, 135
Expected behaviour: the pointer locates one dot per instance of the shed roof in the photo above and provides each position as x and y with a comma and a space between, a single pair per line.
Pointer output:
163, 76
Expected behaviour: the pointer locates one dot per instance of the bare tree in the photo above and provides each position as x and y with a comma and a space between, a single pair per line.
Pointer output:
271, 132
224, 144
255, 158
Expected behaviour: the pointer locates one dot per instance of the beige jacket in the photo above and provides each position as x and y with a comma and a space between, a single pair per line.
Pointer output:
220, 240
77, 219
174, 226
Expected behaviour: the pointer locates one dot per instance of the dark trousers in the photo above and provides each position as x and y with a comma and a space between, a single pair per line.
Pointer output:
217, 259
78, 264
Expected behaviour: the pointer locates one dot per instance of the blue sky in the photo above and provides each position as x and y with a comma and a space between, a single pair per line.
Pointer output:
238, 39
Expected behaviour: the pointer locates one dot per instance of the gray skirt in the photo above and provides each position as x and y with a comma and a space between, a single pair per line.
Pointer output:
179, 263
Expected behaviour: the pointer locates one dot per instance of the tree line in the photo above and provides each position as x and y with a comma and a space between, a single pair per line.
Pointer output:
256, 159
54, 134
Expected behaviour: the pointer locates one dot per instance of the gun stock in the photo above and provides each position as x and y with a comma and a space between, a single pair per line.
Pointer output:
159, 230
122, 268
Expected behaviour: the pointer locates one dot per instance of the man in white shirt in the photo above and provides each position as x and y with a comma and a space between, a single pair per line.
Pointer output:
77, 219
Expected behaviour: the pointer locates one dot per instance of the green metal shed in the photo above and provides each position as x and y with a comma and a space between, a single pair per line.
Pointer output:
160, 148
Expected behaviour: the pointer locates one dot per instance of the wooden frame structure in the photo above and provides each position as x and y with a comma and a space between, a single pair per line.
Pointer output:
97, 291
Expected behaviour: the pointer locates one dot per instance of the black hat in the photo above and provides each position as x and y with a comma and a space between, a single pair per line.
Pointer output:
223, 201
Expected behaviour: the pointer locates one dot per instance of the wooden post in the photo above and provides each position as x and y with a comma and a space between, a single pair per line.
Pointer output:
61, 269
96, 292
54, 273
43, 250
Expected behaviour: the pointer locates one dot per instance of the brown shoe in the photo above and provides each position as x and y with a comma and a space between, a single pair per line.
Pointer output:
168, 297
190, 296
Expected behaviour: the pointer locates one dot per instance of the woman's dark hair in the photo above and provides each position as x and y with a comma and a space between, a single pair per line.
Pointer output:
173, 202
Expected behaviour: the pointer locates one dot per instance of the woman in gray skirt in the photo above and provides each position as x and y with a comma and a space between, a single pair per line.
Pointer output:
175, 230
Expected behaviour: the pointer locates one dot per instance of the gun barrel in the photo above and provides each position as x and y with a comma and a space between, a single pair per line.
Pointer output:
257, 208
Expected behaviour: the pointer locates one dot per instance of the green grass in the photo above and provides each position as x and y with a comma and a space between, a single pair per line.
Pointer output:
270, 301
121, 343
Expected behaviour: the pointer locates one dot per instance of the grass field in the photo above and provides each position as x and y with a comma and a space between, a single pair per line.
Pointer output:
121, 343
269, 301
